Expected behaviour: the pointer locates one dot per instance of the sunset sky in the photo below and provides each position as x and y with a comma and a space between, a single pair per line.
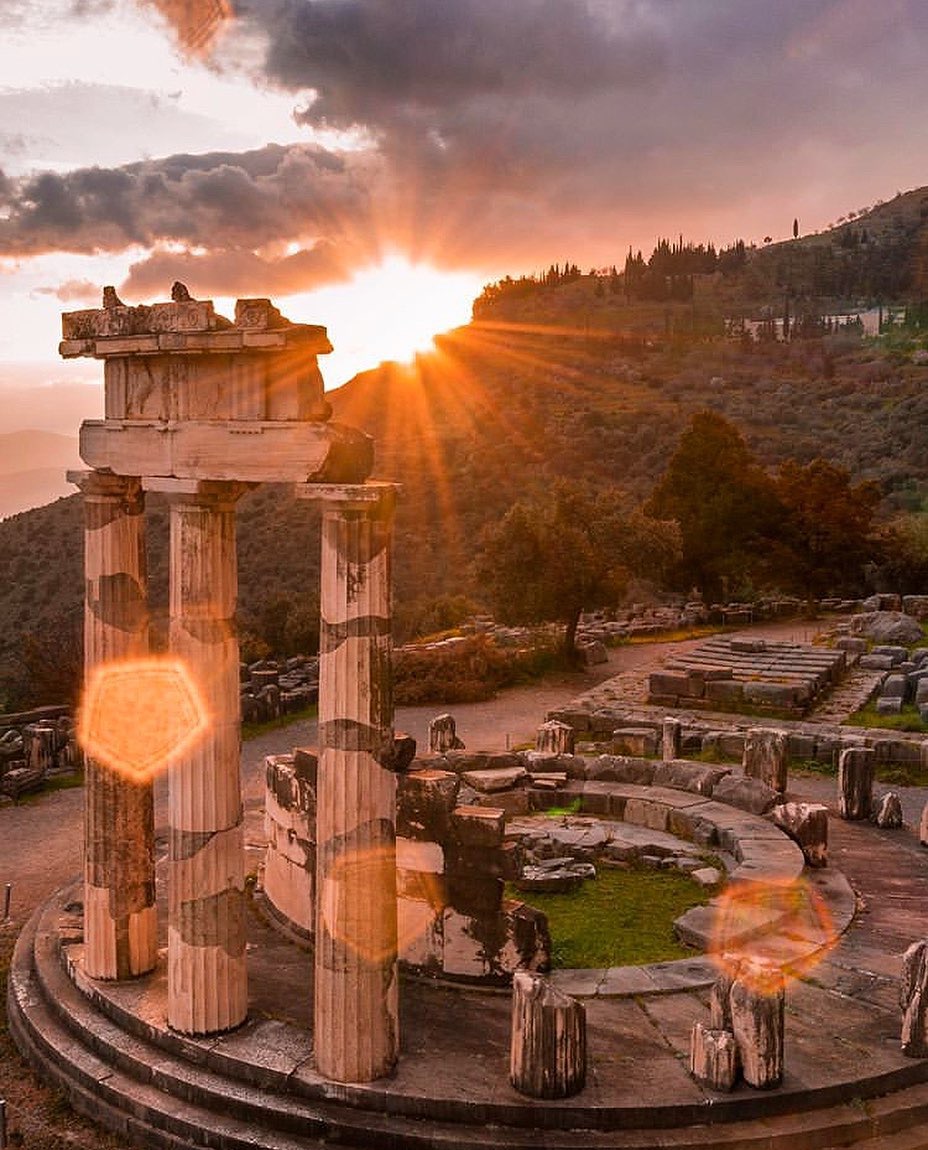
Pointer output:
370, 163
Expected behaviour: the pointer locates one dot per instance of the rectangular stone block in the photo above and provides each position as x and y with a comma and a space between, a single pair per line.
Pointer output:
424, 801
727, 692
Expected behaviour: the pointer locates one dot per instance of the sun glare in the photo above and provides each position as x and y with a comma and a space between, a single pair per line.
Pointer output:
390, 311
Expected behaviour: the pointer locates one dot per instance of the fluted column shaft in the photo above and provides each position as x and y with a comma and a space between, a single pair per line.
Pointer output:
207, 989
120, 928
356, 1035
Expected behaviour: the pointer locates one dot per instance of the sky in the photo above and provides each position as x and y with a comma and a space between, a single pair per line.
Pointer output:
369, 164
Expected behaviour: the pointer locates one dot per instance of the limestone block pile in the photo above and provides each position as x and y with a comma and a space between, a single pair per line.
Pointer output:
270, 689
779, 679
33, 746
905, 679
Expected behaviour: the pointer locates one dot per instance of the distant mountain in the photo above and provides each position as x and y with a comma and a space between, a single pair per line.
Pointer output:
32, 469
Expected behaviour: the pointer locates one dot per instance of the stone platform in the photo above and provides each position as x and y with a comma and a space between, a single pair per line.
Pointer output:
108, 1046
770, 678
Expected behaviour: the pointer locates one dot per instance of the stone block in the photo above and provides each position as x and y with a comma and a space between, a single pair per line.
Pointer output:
641, 741
725, 692
443, 735
424, 801
888, 812
746, 794
555, 738
766, 754
890, 706
855, 782
892, 651
463, 952
416, 855
914, 1000
923, 827
475, 895
713, 1057
698, 778
481, 827
893, 687
781, 696
807, 825
668, 683
623, 769
528, 940
493, 780
548, 1044
876, 662
758, 1000
420, 934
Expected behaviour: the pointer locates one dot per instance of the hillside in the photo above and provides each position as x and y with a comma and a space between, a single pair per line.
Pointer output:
501, 409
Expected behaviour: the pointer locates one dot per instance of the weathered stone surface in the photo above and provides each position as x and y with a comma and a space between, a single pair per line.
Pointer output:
555, 738
671, 737
548, 1043
699, 778
758, 1000
766, 756
806, 824
888, 627
913, 997
478, 826
560, 880
889, 706
888, 812
424, 801
623, 769
442, 735
706, 876
747, 794
634, 741
923, 827
713, 1057
855, 782
489, 782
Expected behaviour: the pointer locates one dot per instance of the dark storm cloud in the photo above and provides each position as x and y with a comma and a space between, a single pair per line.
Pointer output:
509, 132
216, 200
369, 58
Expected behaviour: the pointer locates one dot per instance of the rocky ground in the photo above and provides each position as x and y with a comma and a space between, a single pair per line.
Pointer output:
41, 840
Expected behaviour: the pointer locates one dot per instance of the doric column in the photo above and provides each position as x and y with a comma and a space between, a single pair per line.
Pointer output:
356, 1036
207, 988
120, 929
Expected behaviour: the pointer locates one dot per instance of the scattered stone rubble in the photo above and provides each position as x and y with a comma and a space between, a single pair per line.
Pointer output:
270, 689
35, 745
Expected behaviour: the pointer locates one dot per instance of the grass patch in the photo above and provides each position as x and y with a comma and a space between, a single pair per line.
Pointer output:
63, 782
674, 636
620, 918
892, 774
907, 720
250, 730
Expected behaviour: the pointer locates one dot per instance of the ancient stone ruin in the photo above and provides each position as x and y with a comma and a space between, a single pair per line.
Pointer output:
198, 408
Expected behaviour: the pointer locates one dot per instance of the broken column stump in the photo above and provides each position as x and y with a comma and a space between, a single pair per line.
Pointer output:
855, 783
758, 1000
923, 827
914, 1000
713, 1057
807, 825
766, 756
671, 739
555, 738
443, 736
547, 1056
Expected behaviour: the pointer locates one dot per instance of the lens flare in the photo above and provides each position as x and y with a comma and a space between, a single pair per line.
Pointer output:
139, 715
767, 931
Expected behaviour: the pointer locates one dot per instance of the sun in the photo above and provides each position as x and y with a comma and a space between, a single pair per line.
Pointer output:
388, 311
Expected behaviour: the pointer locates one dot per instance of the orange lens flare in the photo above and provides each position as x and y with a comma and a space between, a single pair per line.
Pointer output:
140, 715
766, 931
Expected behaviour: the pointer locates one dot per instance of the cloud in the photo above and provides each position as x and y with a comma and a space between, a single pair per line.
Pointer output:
74, 291
215, 200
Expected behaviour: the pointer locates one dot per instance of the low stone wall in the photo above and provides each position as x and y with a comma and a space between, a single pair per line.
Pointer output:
459, 840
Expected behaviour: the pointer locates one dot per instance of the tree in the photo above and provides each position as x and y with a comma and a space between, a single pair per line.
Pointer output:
725, 504
829, 529
551, 558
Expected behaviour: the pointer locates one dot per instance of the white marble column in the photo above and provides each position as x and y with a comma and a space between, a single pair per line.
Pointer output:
120, 928
207, 987
356, 1035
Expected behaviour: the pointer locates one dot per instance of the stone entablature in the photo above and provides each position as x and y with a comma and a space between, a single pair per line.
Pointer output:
189, 394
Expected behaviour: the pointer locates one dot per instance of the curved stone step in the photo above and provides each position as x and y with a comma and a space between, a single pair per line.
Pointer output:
162, 1100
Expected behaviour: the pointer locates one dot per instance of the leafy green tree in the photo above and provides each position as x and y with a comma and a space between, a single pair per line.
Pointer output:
554, 557
829, 528
725, 504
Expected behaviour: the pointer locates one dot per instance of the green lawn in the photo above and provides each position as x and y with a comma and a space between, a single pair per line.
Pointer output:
620, 918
